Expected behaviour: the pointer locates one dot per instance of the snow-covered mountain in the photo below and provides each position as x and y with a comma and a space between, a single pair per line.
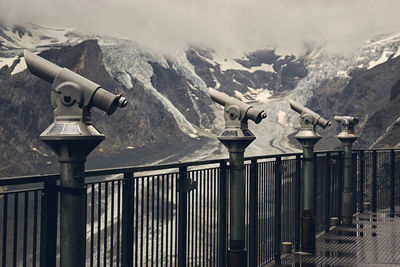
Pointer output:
170, 105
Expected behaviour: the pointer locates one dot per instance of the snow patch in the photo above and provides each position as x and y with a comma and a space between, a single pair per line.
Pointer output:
397, 52
263, 67
384, 57
343, 74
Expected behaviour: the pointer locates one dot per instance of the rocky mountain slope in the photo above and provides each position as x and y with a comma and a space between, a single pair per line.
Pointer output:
170, 117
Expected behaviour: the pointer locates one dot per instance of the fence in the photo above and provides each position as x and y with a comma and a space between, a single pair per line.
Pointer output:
177, 214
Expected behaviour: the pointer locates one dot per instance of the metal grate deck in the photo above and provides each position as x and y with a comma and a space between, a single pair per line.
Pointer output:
372, 240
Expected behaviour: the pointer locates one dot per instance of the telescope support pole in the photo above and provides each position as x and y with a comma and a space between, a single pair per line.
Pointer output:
73, 207
347, 194
237, 254
308, 217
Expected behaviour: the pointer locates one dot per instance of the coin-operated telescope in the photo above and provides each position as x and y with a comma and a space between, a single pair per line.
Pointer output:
309, 119
348, 124
236, 115
347, 136
308, 137
236, 137
72, 137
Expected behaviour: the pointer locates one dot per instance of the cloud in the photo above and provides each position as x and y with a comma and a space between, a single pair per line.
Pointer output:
226, 25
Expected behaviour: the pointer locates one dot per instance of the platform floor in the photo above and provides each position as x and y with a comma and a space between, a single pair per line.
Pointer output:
372, 240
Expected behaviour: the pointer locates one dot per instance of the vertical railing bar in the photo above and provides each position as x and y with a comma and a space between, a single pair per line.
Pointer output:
362, 175
327, 191
340, 184
92, 227
105, 223
99, 224
297, 202
5, 216
162, 220
152, 221
392, 180
197, 217
354, 177
137, 221
167, 219
112, 224
208, 216
374, 184
193, 222
176, 221
118, 224
216, 177
278, 209
127, 220
16, 200
158, 218
35, 228
142, 225
25, 241
203, 216
147, 218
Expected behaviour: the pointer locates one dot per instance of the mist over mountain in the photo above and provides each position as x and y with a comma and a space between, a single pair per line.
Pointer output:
170, 116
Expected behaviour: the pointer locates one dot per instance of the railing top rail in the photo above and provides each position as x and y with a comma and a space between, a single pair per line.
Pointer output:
134, 169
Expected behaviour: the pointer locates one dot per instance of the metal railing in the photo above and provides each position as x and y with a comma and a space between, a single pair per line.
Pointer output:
176, 214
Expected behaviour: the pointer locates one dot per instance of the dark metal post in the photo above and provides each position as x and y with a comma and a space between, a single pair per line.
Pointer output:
347, 136
72, 208
392, 177
354, 185
278, 211
222, 244
373, 193
308, 137
237, 254
253, 214
127, 220
182, 217
339, 166
362, 175
48, 233
327, 192
297, 186
308, 219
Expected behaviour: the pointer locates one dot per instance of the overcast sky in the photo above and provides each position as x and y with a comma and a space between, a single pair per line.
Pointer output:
227, 25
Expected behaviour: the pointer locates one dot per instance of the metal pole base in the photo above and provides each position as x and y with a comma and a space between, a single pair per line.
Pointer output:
308, 232
347, 208
237, 258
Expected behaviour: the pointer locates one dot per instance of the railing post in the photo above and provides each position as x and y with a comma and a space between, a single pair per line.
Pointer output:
223, 226
354, 180
127, 220
362, 175
253, 214
392, 177
297, 186
340, 184
182, 217
373, 189
327, 191
185, 185
278, 212
48, 233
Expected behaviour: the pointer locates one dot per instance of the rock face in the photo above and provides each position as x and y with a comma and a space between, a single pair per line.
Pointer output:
370, 94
